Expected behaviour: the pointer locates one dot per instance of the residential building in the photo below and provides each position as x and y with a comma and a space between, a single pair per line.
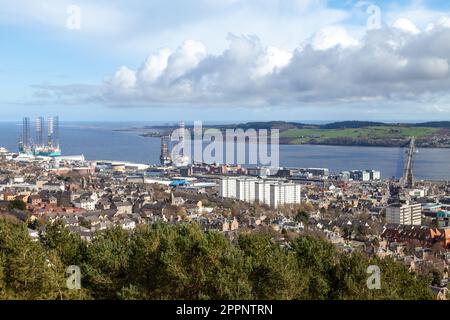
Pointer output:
407, 214
85, 203
283, 194
245, 189
227, 187
124, 207
273, 193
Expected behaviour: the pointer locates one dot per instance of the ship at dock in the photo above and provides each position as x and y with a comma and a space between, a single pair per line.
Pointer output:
36, 145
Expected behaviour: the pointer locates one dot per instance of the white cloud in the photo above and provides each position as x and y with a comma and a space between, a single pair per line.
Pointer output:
95, 18
415, 11
443, 22
272, 60
123, 81
406, 25
184, 59
332, 36
296, 64
154, 66
332, 66
138, 27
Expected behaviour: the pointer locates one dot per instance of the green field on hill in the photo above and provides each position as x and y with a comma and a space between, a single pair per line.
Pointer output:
301, 136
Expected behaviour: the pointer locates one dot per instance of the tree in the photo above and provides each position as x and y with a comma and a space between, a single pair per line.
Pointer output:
105, 268
361, 231
17, 204
26, 270
347, 232
317, 259
274, 272
303, 217
70, 248
397, 283
165, 261
436, 277
350, 278
183, 262
85, 223
34, 224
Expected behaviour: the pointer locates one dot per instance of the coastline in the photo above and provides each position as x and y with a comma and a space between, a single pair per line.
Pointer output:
288, 142
347, 133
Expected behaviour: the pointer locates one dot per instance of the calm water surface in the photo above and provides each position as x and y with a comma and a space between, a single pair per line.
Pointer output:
99, 141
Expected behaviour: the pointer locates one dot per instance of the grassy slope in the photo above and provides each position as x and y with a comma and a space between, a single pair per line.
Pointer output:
299, 136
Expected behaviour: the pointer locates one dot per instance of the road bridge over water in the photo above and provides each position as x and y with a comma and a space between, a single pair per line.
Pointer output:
407, 180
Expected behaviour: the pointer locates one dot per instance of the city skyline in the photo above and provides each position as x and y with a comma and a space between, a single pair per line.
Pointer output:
226, 60
225, 156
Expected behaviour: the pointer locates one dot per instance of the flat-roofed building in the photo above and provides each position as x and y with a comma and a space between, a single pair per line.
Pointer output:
284, 194
245, 189
227, 187
406, 214
270, 192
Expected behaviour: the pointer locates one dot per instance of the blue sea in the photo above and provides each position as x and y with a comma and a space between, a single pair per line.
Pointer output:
101, 141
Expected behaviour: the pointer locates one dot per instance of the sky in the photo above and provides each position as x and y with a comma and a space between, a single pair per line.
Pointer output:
225, 60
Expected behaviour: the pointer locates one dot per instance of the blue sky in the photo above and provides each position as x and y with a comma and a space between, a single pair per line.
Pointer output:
225, 60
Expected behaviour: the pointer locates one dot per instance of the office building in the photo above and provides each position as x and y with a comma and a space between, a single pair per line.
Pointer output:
284, 173
259, 172
375, 175
345, 175
360, 175
365, 175
315, 172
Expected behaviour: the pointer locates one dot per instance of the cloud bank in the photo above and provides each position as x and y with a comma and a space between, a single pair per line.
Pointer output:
393, 63
397, 63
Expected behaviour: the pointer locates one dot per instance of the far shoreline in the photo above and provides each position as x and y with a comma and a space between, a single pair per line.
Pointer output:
429, 135
158, 136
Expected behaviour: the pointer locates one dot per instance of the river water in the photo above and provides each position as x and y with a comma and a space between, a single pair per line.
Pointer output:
99, 141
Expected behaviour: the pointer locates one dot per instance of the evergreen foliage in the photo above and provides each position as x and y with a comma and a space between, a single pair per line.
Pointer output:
181, 261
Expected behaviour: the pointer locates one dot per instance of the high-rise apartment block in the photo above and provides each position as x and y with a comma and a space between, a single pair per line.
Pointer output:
407, 214
274, 193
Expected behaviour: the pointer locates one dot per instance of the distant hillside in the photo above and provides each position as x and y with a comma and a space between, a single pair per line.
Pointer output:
357, 133
351, 125
435, 124
281, 125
